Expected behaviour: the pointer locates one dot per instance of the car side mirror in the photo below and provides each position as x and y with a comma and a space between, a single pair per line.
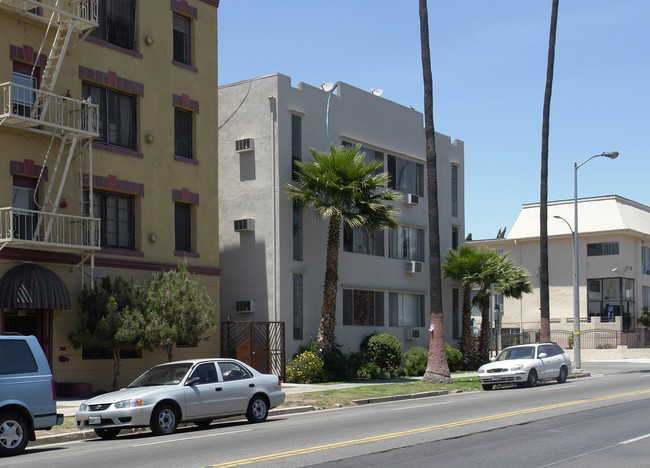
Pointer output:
193, 380
542, 355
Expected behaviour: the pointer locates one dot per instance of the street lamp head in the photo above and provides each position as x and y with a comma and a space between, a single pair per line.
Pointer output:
610, 154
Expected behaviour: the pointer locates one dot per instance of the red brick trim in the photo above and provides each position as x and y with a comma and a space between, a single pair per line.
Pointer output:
110, 79
27, 54
185, 102
26, 168
114, 184
183, 7
184, 195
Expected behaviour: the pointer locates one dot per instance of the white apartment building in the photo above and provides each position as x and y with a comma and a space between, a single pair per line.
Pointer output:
614, 266
273, 256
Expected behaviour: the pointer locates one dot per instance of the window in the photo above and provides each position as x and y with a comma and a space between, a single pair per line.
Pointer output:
363, 307
117, 115
182, 227
183, 133
609, 298
646, 296
24, 95
361, 241
406, 310
406, 243
116, 19
454, 237
182, 40
297, 306
233, 371
602, 248
405, 176
117, 219
454, 190
645, 260
297, 232
296, 145
455, 313
371, 154
17, 358
24, 189
206, 373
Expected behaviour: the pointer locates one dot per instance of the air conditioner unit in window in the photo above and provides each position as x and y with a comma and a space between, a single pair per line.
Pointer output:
243, 307
411, 199
412, 333
413, 267
244, 145
244, 225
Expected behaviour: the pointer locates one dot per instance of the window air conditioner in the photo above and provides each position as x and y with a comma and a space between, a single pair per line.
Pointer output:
412, 333
411, 199
244, 225
413, 267
244, 306
244, 145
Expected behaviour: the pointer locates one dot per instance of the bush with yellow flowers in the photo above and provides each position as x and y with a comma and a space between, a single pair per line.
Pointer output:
306, 367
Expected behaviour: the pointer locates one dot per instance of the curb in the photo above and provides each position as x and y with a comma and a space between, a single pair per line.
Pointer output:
367, 401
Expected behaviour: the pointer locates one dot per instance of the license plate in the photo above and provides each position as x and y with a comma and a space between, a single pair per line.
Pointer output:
94, 419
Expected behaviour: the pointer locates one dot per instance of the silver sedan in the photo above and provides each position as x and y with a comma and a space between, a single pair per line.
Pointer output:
197, 390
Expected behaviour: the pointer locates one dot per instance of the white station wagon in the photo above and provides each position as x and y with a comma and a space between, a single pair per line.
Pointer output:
525, 365
197, 391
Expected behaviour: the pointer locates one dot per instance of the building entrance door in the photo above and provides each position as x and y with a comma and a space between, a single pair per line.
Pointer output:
31, 322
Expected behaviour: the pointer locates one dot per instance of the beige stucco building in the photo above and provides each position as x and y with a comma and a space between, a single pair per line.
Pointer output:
108, 163
614, 266
273, 255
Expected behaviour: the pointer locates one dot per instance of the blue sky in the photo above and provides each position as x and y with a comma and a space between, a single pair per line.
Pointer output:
489, 69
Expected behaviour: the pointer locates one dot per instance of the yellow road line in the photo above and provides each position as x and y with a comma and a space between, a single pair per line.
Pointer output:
393, 435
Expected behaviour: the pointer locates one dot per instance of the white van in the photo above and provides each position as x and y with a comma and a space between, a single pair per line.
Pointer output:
27, 394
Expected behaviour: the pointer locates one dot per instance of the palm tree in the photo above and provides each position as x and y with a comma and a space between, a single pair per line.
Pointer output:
545, 312
343, 187
465, 265
437, 368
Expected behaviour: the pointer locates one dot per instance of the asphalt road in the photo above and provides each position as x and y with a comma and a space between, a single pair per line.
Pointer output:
599, 420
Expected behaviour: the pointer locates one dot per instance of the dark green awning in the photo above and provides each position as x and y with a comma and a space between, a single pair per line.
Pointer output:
30, 286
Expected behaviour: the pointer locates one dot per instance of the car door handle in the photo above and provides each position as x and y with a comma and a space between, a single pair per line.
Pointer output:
251, 385
218, 389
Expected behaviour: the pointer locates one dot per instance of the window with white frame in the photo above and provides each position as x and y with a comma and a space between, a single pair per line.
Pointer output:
117, 115
406, 310
362, 241
406, 243
361, 307
645, 260
117, 218
405, 176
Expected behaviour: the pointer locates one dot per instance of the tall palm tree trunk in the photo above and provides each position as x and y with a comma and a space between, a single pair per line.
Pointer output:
484, 338
466, 333
326, 337
545, 312
437, 368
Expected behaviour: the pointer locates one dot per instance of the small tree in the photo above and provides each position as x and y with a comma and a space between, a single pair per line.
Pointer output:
176, 309
644, 319
108, 323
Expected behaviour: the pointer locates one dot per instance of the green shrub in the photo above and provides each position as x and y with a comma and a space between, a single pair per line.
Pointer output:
604, 346
369, 370
307, 367
385, 351
416, 360
336, 364
454, 358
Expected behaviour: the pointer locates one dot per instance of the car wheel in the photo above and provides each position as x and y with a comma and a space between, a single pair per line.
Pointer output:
532, 378
258, 409
563, 374
110, 433
487, 386
14, 433
203, 424
164, 419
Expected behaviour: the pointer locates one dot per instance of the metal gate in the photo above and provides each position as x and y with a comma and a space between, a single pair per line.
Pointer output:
258, 344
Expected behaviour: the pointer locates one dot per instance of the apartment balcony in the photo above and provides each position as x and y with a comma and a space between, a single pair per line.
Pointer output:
80, 14
36, 230
42, 112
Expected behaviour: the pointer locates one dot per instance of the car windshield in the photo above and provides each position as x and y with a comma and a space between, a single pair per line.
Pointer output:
166, 374
525, 352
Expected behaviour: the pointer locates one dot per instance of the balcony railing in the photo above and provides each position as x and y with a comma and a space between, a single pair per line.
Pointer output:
35, 229
37, 110
81, 13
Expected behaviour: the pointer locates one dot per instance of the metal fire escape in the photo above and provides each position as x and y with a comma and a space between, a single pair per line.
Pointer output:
71, 125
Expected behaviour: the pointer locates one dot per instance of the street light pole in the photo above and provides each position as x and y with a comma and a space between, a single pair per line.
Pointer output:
576, 284
329, 89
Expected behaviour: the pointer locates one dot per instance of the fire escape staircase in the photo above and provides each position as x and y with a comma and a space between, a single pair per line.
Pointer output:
70, 123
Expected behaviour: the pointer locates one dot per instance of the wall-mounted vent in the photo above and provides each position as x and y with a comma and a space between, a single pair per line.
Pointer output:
413, 267
244, 145
244, 225
411, 199
412, 333
243, 307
